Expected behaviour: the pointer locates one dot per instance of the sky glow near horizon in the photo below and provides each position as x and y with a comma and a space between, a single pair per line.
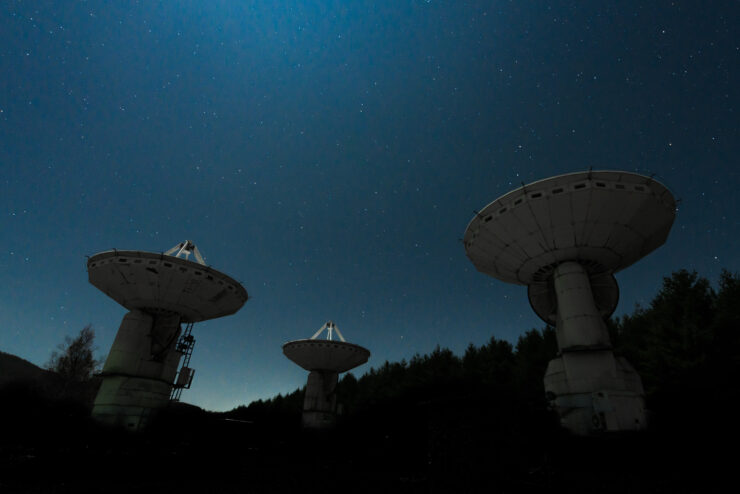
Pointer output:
329, 155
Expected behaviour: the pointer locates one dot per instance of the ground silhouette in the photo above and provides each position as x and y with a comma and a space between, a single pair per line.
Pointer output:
437, 423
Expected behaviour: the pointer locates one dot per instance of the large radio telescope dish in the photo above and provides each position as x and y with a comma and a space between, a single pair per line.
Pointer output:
161, 291
326, 355
604, 220
325, 360
565, 237
162, 282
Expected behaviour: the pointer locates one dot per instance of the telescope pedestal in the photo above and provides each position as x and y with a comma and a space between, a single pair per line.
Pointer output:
140, 370
320, 403
590, 388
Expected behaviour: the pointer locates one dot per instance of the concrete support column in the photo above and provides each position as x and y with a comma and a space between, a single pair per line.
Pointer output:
320, 403
590, 388
579, 323
139, 371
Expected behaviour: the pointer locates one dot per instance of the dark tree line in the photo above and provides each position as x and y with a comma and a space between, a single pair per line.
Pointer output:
494, 367
476, 422
685, 345
482, 418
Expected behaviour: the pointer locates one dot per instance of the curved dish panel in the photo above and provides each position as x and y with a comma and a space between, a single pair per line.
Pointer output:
330, 355
151, 282
606, 220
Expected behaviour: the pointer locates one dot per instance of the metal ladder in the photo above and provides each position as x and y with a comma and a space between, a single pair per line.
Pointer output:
184, 377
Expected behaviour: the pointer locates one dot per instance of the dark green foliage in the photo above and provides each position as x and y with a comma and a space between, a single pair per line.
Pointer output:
73, 360
686, 347
724, 356
279, 410
437, 423
494, 368
34, 400
534, 350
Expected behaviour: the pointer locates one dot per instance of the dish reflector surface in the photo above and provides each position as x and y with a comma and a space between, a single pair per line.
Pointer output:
329, 355
151, 281
605, 220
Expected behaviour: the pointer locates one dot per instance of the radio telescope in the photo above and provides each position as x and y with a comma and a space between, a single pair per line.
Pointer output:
324, 359
564, 237
161, 291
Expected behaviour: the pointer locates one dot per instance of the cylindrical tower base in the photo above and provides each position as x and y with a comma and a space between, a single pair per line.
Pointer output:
595, 392
590, 388
320, 403
129, 402
579, 322
139, 370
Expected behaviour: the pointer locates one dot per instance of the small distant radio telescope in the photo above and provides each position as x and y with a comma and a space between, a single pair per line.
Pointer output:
161, 291
565, 237
324, 359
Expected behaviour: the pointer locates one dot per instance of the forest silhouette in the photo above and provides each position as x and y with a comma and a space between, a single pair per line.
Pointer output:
685, 343
436, 423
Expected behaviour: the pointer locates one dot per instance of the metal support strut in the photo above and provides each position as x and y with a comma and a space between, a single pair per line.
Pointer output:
330, 327
185, 375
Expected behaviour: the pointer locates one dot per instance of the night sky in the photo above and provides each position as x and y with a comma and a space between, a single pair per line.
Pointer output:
330, 154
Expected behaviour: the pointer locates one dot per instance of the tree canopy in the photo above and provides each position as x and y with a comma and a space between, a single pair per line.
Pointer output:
73, 359
685, 346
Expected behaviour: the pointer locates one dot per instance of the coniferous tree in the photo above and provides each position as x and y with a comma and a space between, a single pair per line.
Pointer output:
686, 346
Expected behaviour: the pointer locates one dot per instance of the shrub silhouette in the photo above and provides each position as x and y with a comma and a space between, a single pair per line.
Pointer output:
73, 360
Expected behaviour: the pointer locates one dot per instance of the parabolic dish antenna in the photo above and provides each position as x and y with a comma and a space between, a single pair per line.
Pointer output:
605, 220
336, 356
162, 282
325, 359
161, 291
565, 237
326, 355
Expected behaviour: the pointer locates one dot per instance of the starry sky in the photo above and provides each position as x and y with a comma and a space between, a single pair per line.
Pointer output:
330, 154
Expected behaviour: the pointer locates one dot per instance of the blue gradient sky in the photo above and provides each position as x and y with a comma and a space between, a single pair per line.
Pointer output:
329, 155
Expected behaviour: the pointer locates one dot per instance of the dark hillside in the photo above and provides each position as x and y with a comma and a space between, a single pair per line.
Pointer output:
14, 368
438, 423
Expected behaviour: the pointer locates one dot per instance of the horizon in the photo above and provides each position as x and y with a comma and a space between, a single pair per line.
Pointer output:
330, 156
101, 357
